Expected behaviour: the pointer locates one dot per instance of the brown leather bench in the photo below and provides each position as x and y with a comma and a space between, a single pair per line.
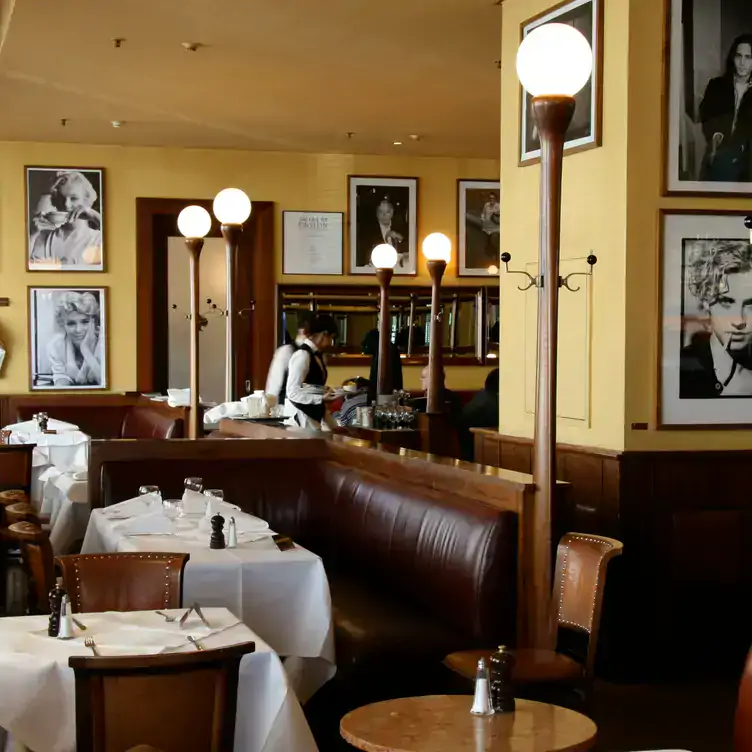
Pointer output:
414, 571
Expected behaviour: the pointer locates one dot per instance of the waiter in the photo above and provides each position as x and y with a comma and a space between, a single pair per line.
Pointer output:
306, 406
276, 381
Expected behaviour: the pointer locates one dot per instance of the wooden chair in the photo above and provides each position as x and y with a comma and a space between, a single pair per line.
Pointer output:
21, 512
37, 560
123, 582
580, 578
15, 467
173, 702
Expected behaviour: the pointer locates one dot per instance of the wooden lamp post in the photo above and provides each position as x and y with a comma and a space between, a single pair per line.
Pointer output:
384, 259
437, 248
554, 62
194, 222
232, 207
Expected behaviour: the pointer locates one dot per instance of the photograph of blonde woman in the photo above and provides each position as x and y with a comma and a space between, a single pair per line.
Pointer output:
64, 219
67, 338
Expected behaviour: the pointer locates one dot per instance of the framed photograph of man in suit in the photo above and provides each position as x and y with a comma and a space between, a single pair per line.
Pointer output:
382, 210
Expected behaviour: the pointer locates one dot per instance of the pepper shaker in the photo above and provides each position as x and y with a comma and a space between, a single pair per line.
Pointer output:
502, 689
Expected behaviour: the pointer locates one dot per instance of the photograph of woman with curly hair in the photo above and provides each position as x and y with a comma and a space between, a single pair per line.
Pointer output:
707, 319
67, 338
64, 219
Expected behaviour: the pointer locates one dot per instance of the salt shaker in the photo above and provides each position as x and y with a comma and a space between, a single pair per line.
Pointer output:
56, 602
502, 690
232, 534
482, 698
66, 620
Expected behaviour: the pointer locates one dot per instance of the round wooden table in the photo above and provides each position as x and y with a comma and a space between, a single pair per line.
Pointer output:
443, 723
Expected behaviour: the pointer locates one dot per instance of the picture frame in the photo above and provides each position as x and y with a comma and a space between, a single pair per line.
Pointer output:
707, 139
68, 348
313, 243
395, 201
586, 127
64, 219
478, 226
705, 347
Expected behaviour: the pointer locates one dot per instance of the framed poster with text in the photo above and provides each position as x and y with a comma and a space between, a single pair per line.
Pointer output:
313, 242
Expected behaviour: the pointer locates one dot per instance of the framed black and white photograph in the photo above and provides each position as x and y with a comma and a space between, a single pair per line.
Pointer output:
584, 131
64, 219
478, 214
709, 119
68, 337
312, 242
706, 342
383, 210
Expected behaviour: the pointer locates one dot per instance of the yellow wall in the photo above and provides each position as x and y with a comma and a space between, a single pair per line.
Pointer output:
591, 326
646, 108
292, 181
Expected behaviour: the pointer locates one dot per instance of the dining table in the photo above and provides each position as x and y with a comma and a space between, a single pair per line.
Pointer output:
37, 687
282, 595
59, 484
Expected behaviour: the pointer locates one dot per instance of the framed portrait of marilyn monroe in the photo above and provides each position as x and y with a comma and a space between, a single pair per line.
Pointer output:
64, 219
68, 338
706, 302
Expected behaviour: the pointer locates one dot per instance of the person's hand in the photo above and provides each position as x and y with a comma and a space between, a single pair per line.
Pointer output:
395, 236
89, 343
41, 222
329, 395
87, 214
716, 142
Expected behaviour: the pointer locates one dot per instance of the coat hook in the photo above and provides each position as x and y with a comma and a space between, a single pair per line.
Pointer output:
534, 281
591, 261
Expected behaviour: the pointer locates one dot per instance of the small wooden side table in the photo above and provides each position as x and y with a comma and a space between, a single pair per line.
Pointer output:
440, 723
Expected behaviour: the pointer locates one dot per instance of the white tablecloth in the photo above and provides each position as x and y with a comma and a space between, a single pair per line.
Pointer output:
58, 482
282, 595
37, 690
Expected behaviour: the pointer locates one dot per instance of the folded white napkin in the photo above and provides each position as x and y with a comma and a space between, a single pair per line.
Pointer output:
179, 397
193, 502
154, 523
225, 410
131, 508
30, 426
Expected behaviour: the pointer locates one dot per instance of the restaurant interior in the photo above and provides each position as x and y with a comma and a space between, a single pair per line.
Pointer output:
393, 403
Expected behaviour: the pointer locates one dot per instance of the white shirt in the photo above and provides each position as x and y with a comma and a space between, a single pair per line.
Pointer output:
275, 379
723, 363
385, 230
297, 371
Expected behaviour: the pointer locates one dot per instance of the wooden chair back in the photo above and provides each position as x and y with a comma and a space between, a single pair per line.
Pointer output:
172, 702
743, 720
580, 578
21, 512
15, 466
37, 557
123, 582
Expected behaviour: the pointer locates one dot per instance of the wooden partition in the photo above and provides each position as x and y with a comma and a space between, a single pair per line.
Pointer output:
501, 489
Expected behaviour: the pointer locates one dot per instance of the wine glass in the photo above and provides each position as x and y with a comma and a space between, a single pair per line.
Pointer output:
171, 508
152, 492
215, 493
193, 484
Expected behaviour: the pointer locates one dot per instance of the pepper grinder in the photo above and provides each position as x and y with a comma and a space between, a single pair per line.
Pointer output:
232, 534
482, 698
502, 689
217, 539
56, 601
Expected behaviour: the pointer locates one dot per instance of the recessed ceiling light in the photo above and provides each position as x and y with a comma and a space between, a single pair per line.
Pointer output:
191, 46
117, 123
118, 41
414, 137
398, 143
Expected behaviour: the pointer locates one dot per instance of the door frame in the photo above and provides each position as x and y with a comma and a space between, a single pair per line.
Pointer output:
254, 291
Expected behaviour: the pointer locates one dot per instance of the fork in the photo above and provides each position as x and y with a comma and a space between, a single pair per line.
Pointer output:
167, 617
197, 644
89, 643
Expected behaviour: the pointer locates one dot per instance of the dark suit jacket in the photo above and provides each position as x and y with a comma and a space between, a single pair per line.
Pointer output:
696, 373
369, 236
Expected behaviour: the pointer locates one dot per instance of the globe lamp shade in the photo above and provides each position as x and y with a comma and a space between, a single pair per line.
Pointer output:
232, 206
554, 60
384, 256
437, 247
194, 222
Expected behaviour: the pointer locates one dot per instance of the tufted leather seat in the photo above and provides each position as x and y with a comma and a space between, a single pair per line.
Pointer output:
145, 423
123, 582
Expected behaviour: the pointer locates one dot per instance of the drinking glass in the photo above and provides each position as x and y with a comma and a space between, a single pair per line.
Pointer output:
151, 491
193, 484
215, 493
171, 508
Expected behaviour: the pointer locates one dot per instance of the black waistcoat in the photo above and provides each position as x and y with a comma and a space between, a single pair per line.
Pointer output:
317, 375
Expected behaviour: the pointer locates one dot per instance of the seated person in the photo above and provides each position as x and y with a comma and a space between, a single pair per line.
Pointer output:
452, 401
481, 412
353, 400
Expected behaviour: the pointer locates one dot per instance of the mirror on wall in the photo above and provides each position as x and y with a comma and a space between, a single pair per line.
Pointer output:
466, 313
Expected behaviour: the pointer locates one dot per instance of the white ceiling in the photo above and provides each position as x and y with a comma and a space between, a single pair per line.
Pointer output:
292, 75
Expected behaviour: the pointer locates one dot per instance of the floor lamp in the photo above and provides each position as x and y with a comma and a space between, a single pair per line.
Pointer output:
384, 259
194, 222
437, 248
232, 207
554, 62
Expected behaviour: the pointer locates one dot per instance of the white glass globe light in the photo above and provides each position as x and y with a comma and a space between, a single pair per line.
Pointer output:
554, 59
232, 206
194, 222
437, 247
493, 270
384, 256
